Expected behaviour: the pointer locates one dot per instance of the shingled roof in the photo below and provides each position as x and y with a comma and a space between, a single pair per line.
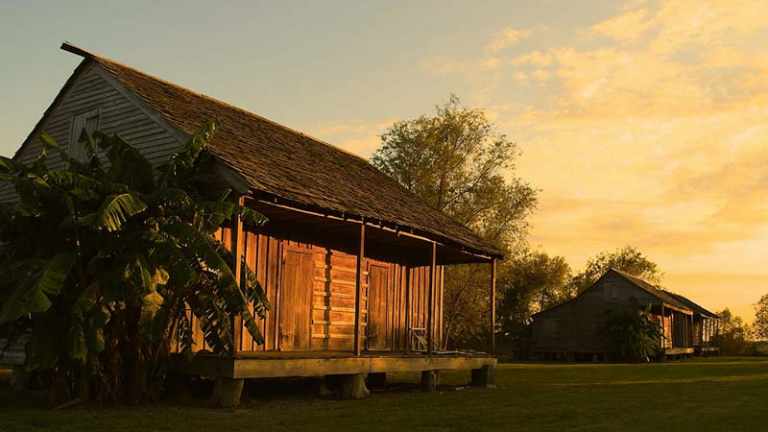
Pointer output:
662, 295
651, 289
287, 164
692, 305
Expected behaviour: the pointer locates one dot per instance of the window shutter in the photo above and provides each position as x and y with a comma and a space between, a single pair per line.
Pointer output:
87, 122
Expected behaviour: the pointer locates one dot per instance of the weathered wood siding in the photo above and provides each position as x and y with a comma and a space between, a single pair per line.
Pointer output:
576, 326
119, 114
311, 289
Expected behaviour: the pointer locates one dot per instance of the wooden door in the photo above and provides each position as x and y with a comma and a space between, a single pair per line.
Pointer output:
378, 325
295, 301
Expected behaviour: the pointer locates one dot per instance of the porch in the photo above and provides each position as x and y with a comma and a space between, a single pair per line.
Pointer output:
349, 297
343, 374
274, 364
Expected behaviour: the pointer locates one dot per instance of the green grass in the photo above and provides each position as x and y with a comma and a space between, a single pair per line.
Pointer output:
723, 394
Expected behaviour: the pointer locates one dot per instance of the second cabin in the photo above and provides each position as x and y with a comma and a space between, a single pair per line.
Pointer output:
574, 329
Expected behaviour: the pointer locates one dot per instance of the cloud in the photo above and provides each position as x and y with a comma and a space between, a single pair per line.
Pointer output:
506, 38
361, 138
645, 128
650, 133
534, 58
625, 27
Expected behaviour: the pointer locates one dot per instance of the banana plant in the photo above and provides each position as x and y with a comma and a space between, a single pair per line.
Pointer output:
104, 260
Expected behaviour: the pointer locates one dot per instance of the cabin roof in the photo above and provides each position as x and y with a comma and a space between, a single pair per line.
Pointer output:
281, 163
665, 297
651, 289
692, 305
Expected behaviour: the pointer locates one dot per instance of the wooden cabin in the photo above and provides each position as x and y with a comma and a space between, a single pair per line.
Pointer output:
352, 262
574, 329
706, 326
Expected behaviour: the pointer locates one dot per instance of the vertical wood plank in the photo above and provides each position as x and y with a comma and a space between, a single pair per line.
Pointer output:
663, 328
358, 287
263, 264
439, 306
431, 300
277, 283
237, 244
493, 306
251, 261
408, 313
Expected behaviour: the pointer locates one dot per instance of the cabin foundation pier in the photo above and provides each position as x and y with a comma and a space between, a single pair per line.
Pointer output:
352, 387
343, 374
227, 392
484, 377
19, 378
430, 380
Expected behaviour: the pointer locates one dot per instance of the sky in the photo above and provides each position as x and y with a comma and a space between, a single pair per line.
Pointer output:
642, 123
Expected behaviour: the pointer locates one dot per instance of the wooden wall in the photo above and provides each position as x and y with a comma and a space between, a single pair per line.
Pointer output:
316, 283
576, 326
311, 290
91, 89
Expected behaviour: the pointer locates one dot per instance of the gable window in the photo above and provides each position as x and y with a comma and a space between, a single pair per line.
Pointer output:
82, 124
611, 292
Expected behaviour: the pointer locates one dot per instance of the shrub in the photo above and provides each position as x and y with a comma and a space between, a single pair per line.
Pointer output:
633, 334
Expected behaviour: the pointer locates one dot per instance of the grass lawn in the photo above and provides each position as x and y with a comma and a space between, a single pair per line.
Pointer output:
721, 394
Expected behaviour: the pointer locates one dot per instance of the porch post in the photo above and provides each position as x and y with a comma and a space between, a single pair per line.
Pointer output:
663, 329
431, 301
358, 287
238, 242
408, 335
492, 323
692, 329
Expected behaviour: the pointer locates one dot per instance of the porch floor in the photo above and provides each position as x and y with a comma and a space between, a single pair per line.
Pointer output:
274, 364
679, 350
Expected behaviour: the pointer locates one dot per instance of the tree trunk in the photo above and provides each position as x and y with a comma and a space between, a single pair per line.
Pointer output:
134, 380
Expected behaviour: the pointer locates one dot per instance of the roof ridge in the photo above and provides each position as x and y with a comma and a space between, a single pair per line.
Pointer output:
401, 206
66, 46
652, 289
685, 299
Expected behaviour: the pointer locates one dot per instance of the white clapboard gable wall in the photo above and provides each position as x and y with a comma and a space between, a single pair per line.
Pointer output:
91, 96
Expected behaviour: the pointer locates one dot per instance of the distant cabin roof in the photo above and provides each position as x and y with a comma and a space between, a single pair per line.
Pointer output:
651, 289
692, 305
665, 297
281, 163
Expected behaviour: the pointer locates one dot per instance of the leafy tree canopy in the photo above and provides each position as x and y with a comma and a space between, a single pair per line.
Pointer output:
628, 259
633, 334
734, 334
531, 282
105, 261
458, 163
761, 318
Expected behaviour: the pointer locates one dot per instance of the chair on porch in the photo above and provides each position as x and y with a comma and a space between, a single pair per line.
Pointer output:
419, 339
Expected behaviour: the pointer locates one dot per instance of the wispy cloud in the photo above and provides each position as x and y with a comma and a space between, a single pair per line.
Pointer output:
651, 133
361, 138
506, 38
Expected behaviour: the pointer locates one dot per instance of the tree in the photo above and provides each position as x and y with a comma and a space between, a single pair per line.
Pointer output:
633, 334
530, 283
761, 318
457, 162
627, 259
101, 260
733, 337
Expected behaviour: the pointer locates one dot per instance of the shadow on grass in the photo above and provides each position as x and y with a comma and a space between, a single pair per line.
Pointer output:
196, 393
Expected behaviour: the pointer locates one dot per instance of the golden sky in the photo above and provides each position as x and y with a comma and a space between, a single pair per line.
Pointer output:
643, 123
647, 128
